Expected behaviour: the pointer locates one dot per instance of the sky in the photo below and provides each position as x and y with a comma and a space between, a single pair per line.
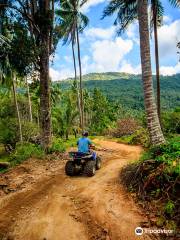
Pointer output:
103, 51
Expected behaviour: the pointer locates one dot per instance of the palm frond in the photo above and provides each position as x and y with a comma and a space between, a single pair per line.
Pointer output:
175, 3
70, 18
83, 22
156, 6
126, 13
116, 6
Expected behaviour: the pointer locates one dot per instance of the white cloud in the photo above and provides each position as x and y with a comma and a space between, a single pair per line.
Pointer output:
91, 3
68, 59
100, 33
85, 64
133, 32
170, 70
167, 19
128, 68
60, 74
169, 35
107, 54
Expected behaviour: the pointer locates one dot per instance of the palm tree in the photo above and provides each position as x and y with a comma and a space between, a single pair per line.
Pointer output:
16, 105
29, 100
128, 11
156, 20
153, 124
66, 32
8, 75
8, 78
73, 23
64, 114
38, 19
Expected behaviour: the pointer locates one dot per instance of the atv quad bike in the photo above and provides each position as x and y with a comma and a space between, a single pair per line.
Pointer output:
82, 163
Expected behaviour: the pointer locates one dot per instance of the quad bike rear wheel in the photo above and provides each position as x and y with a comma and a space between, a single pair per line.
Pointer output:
98, 163
90, 168
70, 168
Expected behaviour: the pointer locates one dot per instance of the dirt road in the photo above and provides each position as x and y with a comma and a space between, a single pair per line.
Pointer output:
48, 205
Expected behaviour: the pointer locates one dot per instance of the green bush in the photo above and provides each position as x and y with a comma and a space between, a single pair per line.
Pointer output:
24, 151
169, 153
9, 129
169, 208
141, 137
29, 130
71, 142
125, 139
171, 121
57, 146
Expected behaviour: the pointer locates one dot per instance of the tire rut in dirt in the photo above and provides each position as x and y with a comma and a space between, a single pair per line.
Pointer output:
19, 202
84, 214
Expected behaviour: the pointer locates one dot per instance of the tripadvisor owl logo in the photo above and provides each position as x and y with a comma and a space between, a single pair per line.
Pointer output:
139, 231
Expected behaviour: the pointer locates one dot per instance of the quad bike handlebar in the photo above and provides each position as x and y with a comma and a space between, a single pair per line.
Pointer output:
92, 147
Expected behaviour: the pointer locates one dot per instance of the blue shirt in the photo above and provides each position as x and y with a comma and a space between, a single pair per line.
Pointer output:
83, 144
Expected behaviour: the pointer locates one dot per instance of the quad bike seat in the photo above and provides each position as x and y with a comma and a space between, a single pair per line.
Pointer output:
80, 155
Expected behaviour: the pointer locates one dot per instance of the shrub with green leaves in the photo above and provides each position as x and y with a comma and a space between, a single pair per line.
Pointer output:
171, 121
155, 179
140, 136
168, 153
24, 151
57, 146
9, 129
169, 208
29, 130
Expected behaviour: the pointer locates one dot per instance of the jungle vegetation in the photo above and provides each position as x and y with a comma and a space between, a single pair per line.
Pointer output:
39, 116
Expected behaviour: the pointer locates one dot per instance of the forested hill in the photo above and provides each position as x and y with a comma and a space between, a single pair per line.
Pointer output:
127, 88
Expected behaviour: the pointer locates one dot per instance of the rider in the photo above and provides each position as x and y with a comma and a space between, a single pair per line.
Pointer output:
85, 144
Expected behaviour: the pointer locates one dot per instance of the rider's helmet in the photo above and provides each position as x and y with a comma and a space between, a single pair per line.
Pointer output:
85, 133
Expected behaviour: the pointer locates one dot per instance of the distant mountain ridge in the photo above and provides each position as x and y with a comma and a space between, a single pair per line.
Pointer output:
103, 76
127, 88
111, 76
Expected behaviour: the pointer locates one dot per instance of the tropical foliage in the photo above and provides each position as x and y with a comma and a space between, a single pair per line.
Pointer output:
39, 117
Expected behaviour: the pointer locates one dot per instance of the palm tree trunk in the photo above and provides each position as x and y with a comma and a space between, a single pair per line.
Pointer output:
38, 123
45, 106
51, 30
80, 78
29, 101
156, 135
17, 108
77, 85
157, 63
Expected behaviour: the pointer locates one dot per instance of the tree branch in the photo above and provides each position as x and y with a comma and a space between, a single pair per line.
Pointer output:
25, 15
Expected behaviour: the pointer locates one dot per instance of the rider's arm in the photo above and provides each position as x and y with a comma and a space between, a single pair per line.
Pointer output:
91, 145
